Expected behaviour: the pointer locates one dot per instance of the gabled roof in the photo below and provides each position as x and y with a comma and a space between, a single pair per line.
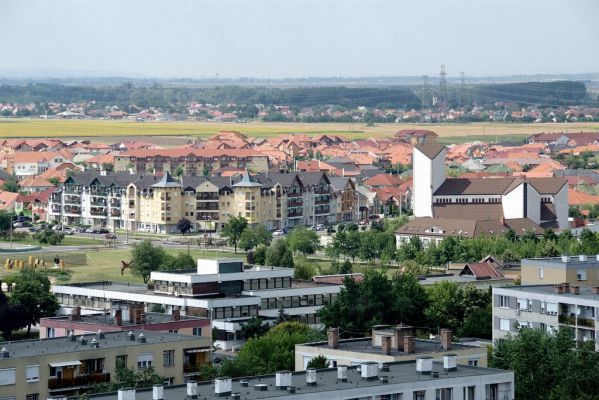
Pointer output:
431, 150
167, 181
480, 270
247, 181
384, 180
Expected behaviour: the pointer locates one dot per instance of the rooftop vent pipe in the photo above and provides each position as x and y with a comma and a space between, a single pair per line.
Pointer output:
222, 386
424, 365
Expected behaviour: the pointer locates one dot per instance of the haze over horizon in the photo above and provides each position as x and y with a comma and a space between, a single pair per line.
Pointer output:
283, 39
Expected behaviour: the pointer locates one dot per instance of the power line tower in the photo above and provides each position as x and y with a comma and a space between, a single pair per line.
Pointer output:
442, 88
426, 92
462, 90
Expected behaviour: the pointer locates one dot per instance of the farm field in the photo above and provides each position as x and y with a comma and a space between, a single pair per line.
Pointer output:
109, 131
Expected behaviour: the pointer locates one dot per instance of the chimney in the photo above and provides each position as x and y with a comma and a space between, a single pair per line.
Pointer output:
311, 377
409, 345
595, 289
101, 334
446, 339
582, 257
176, 314
75, 314
369, 371
141, 338
126, 394
333, 337
450, 362
222, 386
342, 373
4, 352
386, 344
558, 289
157, 392
192, 390
142, 318
575, 289
400, 331
424, 365
118, 317
566, 287
283, 380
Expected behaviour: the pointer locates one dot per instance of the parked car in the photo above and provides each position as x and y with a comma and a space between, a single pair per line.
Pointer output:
89, 230
320, 227
101, 230
68, 231
278, 232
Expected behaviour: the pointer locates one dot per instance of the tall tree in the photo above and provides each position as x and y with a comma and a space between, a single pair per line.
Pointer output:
33, 296
146, 258
252, 236
11, 185
304, 240
184, 225
233, 230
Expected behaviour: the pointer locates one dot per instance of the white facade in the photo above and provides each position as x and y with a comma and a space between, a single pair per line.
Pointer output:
429, 175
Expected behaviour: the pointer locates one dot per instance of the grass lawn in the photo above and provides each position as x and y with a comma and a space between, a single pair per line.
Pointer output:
67, 241
109, 131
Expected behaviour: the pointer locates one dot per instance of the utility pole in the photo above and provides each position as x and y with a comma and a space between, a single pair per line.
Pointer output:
442, 88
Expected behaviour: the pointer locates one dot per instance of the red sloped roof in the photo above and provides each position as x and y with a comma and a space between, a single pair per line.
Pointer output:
481, 270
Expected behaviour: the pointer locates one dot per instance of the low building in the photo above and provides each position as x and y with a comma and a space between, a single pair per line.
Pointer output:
388, 344
576, 270
546, 307
65, 367
420, 380
123, 316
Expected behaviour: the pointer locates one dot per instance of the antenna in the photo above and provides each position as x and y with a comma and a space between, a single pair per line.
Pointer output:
442, 88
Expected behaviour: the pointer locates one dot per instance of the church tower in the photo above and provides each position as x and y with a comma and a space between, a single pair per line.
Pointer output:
428, 164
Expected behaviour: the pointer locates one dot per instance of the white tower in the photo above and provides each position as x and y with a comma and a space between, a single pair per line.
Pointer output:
428, 163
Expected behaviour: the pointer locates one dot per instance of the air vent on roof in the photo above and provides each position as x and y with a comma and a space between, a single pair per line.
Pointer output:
342, 373
71, 337
311, 377
141, 338
283, 379
236, 396
83, 341
94, 343
261, 387
291, 389
244, 382
4, 352
424, 365
131, 336
101, 334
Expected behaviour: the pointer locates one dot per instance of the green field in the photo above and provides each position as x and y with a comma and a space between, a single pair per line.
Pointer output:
109, 131
67, 241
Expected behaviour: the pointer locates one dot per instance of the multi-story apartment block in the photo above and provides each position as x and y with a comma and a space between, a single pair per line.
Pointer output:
576, 270
388, 344
224, 291
67, 366
90, 198
344, 200
317, 197
420, 380
546, 307
195, 162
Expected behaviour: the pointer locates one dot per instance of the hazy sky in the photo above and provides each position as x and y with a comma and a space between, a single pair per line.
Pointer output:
280, 38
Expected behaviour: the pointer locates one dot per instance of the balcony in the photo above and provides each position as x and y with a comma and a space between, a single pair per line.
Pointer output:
567, 320
295, 214
98, 192
72, 210
317, 202
77, 381
98, 211
101, 203
297, 203
115, 213
296, 194
207, 207
115, 203
207, 196
588, 322
72, 190
324, 210
72, 200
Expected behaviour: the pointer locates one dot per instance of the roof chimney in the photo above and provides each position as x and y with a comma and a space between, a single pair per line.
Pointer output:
409, 346
450, 362
101, 334
369, 371
333, 337
176, 314
157, 392
582, 257
311, 377
575, 289
446, 339
222, 386
566, 287
400, 331
141, 338
192, 390
126, 394
595, 289
558, 289
386, 344
424, 365
94, 343
75, 313
342, 373
118, 317
283, 379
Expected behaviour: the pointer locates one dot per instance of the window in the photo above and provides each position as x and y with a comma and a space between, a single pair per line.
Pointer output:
168, 357
473, 362
50, 332
173, 331
541, 274
524, 324
32, 396
8, 376
552, 308
469, 393
523, 304
419, 395
543, 307
492, 392
32, 373
444, 394
145, 360
504, 302
504, 325
581, 275
197, 331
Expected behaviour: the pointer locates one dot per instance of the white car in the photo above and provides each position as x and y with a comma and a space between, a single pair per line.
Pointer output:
320, 227
278, 232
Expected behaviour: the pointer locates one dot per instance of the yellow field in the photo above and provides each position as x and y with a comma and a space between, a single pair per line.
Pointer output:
111, 130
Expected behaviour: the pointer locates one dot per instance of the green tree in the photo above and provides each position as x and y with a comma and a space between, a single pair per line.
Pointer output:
303, 240
11, 317
179, 171
260, 255
233, 230
11, 185
254, 327
304, 269
444, 310
54, 180
146, 258
178, 262
32, 295
252, 236
318, 362
278, 254
184, 225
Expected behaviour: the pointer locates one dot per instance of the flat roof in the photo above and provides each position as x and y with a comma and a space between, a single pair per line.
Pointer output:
586, 292
364, 345
572, 262
326, 379
62, 345
107, 319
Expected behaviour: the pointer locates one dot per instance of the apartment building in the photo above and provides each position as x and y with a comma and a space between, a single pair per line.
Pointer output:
576, 270
122, 316
90, 198
194, 162
224, 291
546, 307
389, 344
65, 367
317, 197
344, 200
420, 380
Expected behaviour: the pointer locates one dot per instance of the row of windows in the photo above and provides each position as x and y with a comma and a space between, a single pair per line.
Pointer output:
234, 312
267, 283
297, 301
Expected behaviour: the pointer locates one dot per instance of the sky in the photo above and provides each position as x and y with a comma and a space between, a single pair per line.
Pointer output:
300, 38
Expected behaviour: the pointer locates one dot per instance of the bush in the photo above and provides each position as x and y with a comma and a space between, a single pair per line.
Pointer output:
304, 269
48, 236
260, 255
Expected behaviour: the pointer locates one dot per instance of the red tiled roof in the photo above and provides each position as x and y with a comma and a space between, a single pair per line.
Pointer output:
480, 270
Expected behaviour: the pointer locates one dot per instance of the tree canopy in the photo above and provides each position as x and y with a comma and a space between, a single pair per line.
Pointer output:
233, 229
303, 240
